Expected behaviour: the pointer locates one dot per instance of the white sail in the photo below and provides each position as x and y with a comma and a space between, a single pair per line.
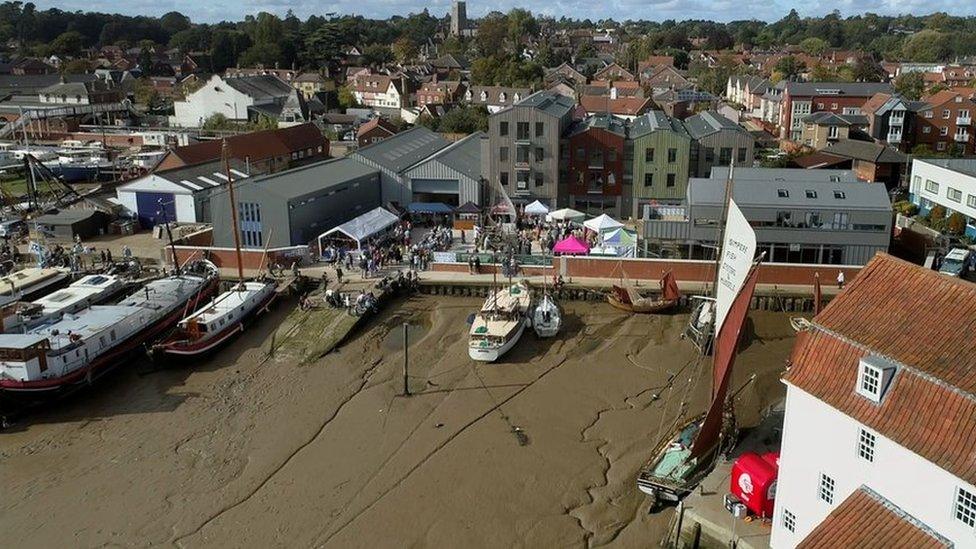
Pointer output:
738, 251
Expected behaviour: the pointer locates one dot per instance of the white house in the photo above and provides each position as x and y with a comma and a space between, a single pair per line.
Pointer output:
180, 195
241, 98
948, 182
381, 91
878, 441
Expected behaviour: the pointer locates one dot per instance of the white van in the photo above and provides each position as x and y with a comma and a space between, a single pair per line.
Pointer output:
956, 263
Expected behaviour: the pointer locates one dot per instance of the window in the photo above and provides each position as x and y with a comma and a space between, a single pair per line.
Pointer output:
725, 156
540, 154
504, 178
927, 129
971, 200
826, 491
671, 178
521, 130
940, 146
741, 155
522, 154
522, 181
944, 131
841, 220
954, 195
782, 193
811, 193
865, 445
580, 153
931, 186
648, 179
965, 510
503, 128
540, 129
538, 179
672, 155
869, 381
503, 154
649, 155
945, 114
250, 224
928, 114
840, 195
832, 132
596, 157
709, 154
833, 106
612, 155
789, 520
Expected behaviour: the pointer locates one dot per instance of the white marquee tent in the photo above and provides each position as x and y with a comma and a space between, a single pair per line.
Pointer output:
602, 224
536, 208
368, 225
566, 214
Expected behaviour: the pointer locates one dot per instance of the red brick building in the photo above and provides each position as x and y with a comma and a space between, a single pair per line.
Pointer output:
374, 131
803, 98
440, 92
594, 161
266, 151
945, 123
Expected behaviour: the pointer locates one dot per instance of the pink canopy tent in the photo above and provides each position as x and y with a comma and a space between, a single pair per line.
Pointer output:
571, 246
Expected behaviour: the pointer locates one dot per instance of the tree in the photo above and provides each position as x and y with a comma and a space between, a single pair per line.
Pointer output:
911, 85
146, 94
468, 119
492, 31
218, 121
866, 69
404, 49
76, 66
955, 224
789, 66
813, 45
68, 43
937, 217
174, 22
347, 99
927, 46
226, 46
377, 54
521, 25
145, 60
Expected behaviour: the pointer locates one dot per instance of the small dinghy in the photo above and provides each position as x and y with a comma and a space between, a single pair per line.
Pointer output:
546, 319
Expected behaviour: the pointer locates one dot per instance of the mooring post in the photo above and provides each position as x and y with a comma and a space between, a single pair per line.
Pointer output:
406, 345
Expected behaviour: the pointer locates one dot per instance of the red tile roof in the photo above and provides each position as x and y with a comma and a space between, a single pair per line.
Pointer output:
375, 123
865, 519
627, 106
924, 322
945, 96
255, 145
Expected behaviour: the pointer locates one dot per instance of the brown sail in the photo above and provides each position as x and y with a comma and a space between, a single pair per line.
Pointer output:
726, 343
670, 287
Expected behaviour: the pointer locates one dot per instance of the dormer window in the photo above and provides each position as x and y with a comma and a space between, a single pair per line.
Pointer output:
501, 97
811, 193
782, 193
484, 96
874, 375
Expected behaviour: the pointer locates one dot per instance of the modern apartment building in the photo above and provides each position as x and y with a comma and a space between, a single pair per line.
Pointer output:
947, 182
718, 140
891, 119
945, 124
659, 154
523, 147
880, 405
800, 99
800, 216
593, 154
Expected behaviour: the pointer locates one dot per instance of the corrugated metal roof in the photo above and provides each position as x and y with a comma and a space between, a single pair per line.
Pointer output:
310, 178
865, 519
655, 121
463, 156
549, 103
398, 152
709, 122
856, 89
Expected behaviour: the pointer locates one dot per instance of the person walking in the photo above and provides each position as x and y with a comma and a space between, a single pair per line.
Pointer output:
840, 280
338, 273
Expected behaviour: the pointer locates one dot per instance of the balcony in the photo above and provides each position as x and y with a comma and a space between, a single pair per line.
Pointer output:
961, 137
894, 138
896, 120
963, 120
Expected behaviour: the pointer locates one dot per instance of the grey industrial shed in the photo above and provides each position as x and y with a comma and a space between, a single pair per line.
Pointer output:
293, 207
393, 155
452, 175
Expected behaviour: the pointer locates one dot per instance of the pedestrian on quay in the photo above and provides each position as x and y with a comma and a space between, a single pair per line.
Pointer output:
840, 280
108, 255
102, 256
339, 273
477, 264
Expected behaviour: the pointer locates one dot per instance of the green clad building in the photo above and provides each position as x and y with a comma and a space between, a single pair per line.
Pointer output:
658, 152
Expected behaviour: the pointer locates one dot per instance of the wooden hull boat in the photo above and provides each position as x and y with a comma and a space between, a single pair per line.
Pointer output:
627, 299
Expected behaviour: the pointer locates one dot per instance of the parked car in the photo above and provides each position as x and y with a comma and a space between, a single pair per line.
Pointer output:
956, 263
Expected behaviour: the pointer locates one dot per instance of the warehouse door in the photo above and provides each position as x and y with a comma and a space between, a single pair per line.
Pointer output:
151, 206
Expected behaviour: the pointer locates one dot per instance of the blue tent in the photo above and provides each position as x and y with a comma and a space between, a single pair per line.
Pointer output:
429, 208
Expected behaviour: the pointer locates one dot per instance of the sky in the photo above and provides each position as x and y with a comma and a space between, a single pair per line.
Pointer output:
212, 11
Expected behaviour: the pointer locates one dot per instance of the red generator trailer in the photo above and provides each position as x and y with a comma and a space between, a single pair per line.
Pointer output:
754, 481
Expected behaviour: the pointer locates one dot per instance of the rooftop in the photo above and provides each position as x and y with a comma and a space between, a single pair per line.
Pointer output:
600, 121
865, 519
931, 399
398, 152
254, 145
856, 89
654, 121
966, 166
550, 103
709, 122
814, 193
463, 156
313, 177
866, 150
782, 174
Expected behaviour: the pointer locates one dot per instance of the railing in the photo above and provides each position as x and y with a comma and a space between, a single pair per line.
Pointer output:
894, 138
962, 137
521, 259
963, 120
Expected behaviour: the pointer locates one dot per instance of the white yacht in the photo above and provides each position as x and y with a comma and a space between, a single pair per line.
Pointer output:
500, 322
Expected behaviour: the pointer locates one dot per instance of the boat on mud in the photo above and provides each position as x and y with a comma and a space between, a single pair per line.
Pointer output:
58, 357
499, 324
627, 298
546, 317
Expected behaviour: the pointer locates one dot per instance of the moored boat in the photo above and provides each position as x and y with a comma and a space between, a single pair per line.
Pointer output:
57, 357
216, 322
88, 290
33, 282
627, 297
546, 317
499, 324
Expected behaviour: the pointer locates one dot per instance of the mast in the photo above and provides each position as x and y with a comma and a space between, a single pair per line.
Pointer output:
721, 229
169, 236
225, 152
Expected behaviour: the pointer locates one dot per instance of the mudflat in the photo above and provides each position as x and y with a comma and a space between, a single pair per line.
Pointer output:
243, 449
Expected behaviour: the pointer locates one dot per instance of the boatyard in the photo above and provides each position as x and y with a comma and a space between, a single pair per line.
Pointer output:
247, 448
